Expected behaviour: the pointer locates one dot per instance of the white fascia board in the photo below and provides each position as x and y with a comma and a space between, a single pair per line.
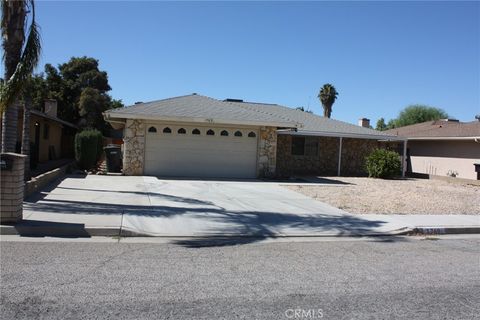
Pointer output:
202, 120
443, 138
340, 134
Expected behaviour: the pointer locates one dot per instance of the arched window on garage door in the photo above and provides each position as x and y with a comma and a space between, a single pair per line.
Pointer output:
252, 134
210, 132
182, 131
238, 134
167, 130
195, 131
152, 130
224, 133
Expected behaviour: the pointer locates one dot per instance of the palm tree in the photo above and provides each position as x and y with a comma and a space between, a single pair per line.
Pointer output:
25, 150
21, 55
327, 95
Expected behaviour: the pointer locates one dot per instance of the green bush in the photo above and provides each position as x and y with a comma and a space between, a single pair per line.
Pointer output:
99, 146
88, 148
383, 164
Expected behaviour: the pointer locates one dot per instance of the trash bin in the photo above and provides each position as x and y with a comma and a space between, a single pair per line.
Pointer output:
113, 155
477, 170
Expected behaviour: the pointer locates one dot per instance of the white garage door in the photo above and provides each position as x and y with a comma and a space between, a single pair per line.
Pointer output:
185, 151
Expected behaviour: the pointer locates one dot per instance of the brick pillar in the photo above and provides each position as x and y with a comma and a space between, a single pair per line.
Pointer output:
12, 187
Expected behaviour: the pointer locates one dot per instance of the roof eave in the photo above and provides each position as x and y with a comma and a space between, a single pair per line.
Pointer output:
118, 115
49, 117
443, 138
341, 134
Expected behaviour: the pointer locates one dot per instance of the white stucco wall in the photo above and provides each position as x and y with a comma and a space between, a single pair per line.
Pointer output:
439, 157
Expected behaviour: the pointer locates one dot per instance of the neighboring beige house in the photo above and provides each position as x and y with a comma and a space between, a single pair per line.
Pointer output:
198, 136
443, 147
51, 137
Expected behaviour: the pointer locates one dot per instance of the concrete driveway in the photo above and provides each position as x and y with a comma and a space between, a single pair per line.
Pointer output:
185, 208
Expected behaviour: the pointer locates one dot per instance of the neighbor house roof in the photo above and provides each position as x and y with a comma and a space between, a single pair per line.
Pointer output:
199, 108
439, 129
47, 116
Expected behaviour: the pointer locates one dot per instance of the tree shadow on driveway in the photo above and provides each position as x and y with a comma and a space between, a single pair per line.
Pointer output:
40, 196
143, 193
205, 222
249, 227
218, 226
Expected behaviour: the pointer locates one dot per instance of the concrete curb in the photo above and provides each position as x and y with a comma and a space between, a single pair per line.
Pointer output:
46, 230
58, 231
446, 230
353, 233
80, 231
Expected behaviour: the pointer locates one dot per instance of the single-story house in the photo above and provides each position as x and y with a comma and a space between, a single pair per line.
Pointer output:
51, 138
198, 136
442, 147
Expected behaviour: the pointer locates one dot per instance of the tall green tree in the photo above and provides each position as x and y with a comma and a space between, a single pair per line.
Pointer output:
327, 95
21, 52
381, 125
416, 113
36, 88
70, 80
81, 90
91, 105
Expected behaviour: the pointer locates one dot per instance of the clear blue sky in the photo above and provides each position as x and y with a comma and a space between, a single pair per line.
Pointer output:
381, 56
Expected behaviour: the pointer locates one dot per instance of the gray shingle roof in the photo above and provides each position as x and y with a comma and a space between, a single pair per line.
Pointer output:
310, 121
198, 106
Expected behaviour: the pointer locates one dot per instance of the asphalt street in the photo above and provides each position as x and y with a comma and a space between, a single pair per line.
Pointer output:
380, 278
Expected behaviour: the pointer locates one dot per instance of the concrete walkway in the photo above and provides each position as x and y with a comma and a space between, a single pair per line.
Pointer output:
120, 205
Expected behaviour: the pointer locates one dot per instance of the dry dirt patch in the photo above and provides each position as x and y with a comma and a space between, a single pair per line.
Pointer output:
408, 196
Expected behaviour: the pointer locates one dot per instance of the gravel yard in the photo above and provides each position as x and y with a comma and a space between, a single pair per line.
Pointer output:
408, 196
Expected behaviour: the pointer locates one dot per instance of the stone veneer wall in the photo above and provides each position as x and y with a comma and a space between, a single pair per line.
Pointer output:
134, 147
267, 152
325, 163
354, 152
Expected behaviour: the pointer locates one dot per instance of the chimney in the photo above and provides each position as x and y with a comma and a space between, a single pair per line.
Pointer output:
51, 107
364, 122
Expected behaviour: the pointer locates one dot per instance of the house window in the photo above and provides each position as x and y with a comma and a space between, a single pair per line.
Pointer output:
298, 146
167, 130
210, 132
224, 133
195, 131
305, 146
182, 131
152, 129
252, 134
311, 146
46, 131
238, 134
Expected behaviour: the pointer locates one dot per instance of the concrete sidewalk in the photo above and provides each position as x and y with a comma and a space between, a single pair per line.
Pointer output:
80, 206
